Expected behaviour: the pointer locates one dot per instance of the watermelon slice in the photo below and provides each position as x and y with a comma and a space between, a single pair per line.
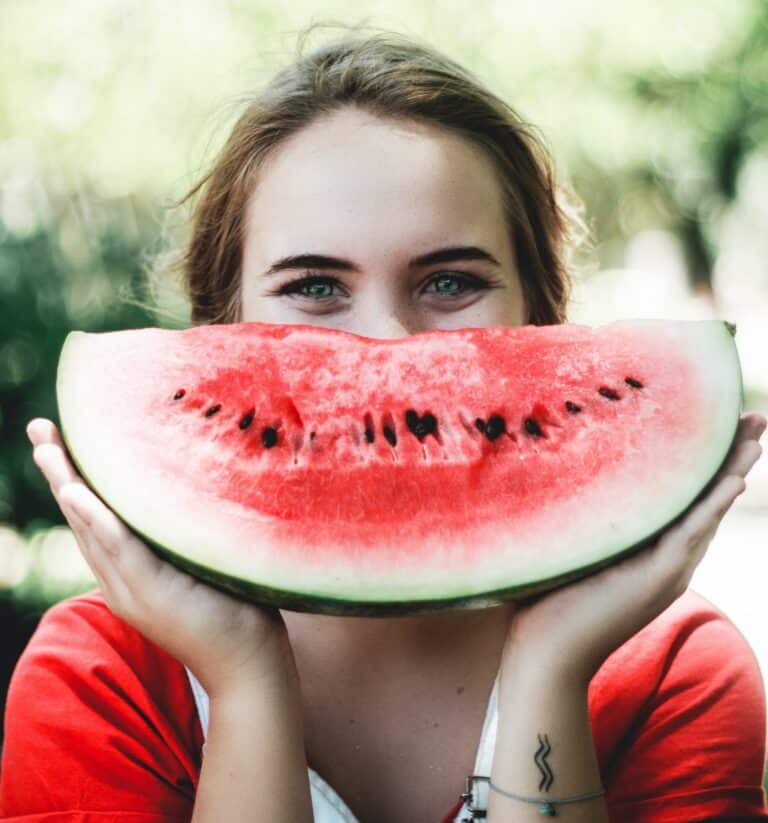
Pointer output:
319, 470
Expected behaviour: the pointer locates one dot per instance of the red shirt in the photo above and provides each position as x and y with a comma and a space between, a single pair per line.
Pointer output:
101, 723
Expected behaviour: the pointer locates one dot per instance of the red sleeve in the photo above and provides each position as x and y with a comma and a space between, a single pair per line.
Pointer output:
679, 721
100, 724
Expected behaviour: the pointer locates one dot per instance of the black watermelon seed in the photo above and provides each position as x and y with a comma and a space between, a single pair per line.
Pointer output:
636, 384
247, 420
269, 437
213, 410
495, 427
370, 434
532, 427
389, 436
609, 393
420, 426
572, 407
180, 393
480, 425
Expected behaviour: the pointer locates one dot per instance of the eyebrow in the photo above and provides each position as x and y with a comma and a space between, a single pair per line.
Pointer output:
450, 254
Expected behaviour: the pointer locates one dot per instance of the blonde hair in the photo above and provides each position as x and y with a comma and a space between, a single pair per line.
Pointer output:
394, 77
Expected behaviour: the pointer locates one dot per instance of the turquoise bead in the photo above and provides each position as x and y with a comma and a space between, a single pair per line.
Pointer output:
548, 809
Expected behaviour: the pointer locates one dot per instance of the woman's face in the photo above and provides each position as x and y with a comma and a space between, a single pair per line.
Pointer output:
379, 228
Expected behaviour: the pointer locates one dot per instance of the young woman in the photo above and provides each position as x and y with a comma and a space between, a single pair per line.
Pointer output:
376, 186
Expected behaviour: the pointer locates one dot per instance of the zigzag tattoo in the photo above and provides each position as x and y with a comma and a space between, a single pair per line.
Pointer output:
541, 761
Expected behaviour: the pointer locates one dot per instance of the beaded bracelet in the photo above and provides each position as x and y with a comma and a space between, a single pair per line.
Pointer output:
547, 807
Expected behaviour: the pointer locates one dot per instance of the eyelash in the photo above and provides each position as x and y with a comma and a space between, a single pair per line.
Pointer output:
311, 278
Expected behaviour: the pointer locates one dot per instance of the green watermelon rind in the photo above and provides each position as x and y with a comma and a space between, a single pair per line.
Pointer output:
271, 597
293, 601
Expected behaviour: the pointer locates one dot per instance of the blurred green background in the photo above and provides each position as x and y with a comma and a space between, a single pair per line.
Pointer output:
657, 114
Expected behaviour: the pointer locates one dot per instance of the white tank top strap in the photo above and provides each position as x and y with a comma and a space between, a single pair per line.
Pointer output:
476, 789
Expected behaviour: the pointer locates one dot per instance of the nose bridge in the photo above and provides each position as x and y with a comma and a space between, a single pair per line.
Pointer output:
381, 314
385, 324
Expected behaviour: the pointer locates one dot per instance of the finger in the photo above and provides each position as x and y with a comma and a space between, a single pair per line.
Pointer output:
750, 428
759, 424
711, 510
135, 561
681, 547
742, 458
55, 466
92, 553
696, 554
702, 515
99, 542
698, 542
89, 513
42, 430
59, 473
751, 425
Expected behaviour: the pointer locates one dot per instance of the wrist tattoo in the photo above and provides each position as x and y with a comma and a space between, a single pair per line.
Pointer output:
540, 758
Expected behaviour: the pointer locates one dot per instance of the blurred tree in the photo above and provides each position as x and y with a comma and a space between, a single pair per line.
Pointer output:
78, 271
723, 107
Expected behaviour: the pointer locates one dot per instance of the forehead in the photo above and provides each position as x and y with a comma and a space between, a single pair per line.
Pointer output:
351, 179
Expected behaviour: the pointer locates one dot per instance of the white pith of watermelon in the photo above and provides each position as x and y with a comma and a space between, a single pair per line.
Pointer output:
333, 523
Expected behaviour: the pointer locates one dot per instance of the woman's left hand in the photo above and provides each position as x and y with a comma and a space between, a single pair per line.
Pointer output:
576, 627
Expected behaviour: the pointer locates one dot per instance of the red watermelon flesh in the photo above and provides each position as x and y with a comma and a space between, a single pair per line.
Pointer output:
320, 470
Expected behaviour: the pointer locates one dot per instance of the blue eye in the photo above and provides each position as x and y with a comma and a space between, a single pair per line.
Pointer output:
320, 287
446, 279
314, 284
317, 288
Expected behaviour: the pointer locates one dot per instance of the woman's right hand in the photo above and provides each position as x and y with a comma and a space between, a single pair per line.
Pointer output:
225, 642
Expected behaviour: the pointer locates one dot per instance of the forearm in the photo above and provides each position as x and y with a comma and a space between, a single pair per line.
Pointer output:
254, 768
534, 704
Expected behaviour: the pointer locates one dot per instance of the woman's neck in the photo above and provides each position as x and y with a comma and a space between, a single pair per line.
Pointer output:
368, 645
